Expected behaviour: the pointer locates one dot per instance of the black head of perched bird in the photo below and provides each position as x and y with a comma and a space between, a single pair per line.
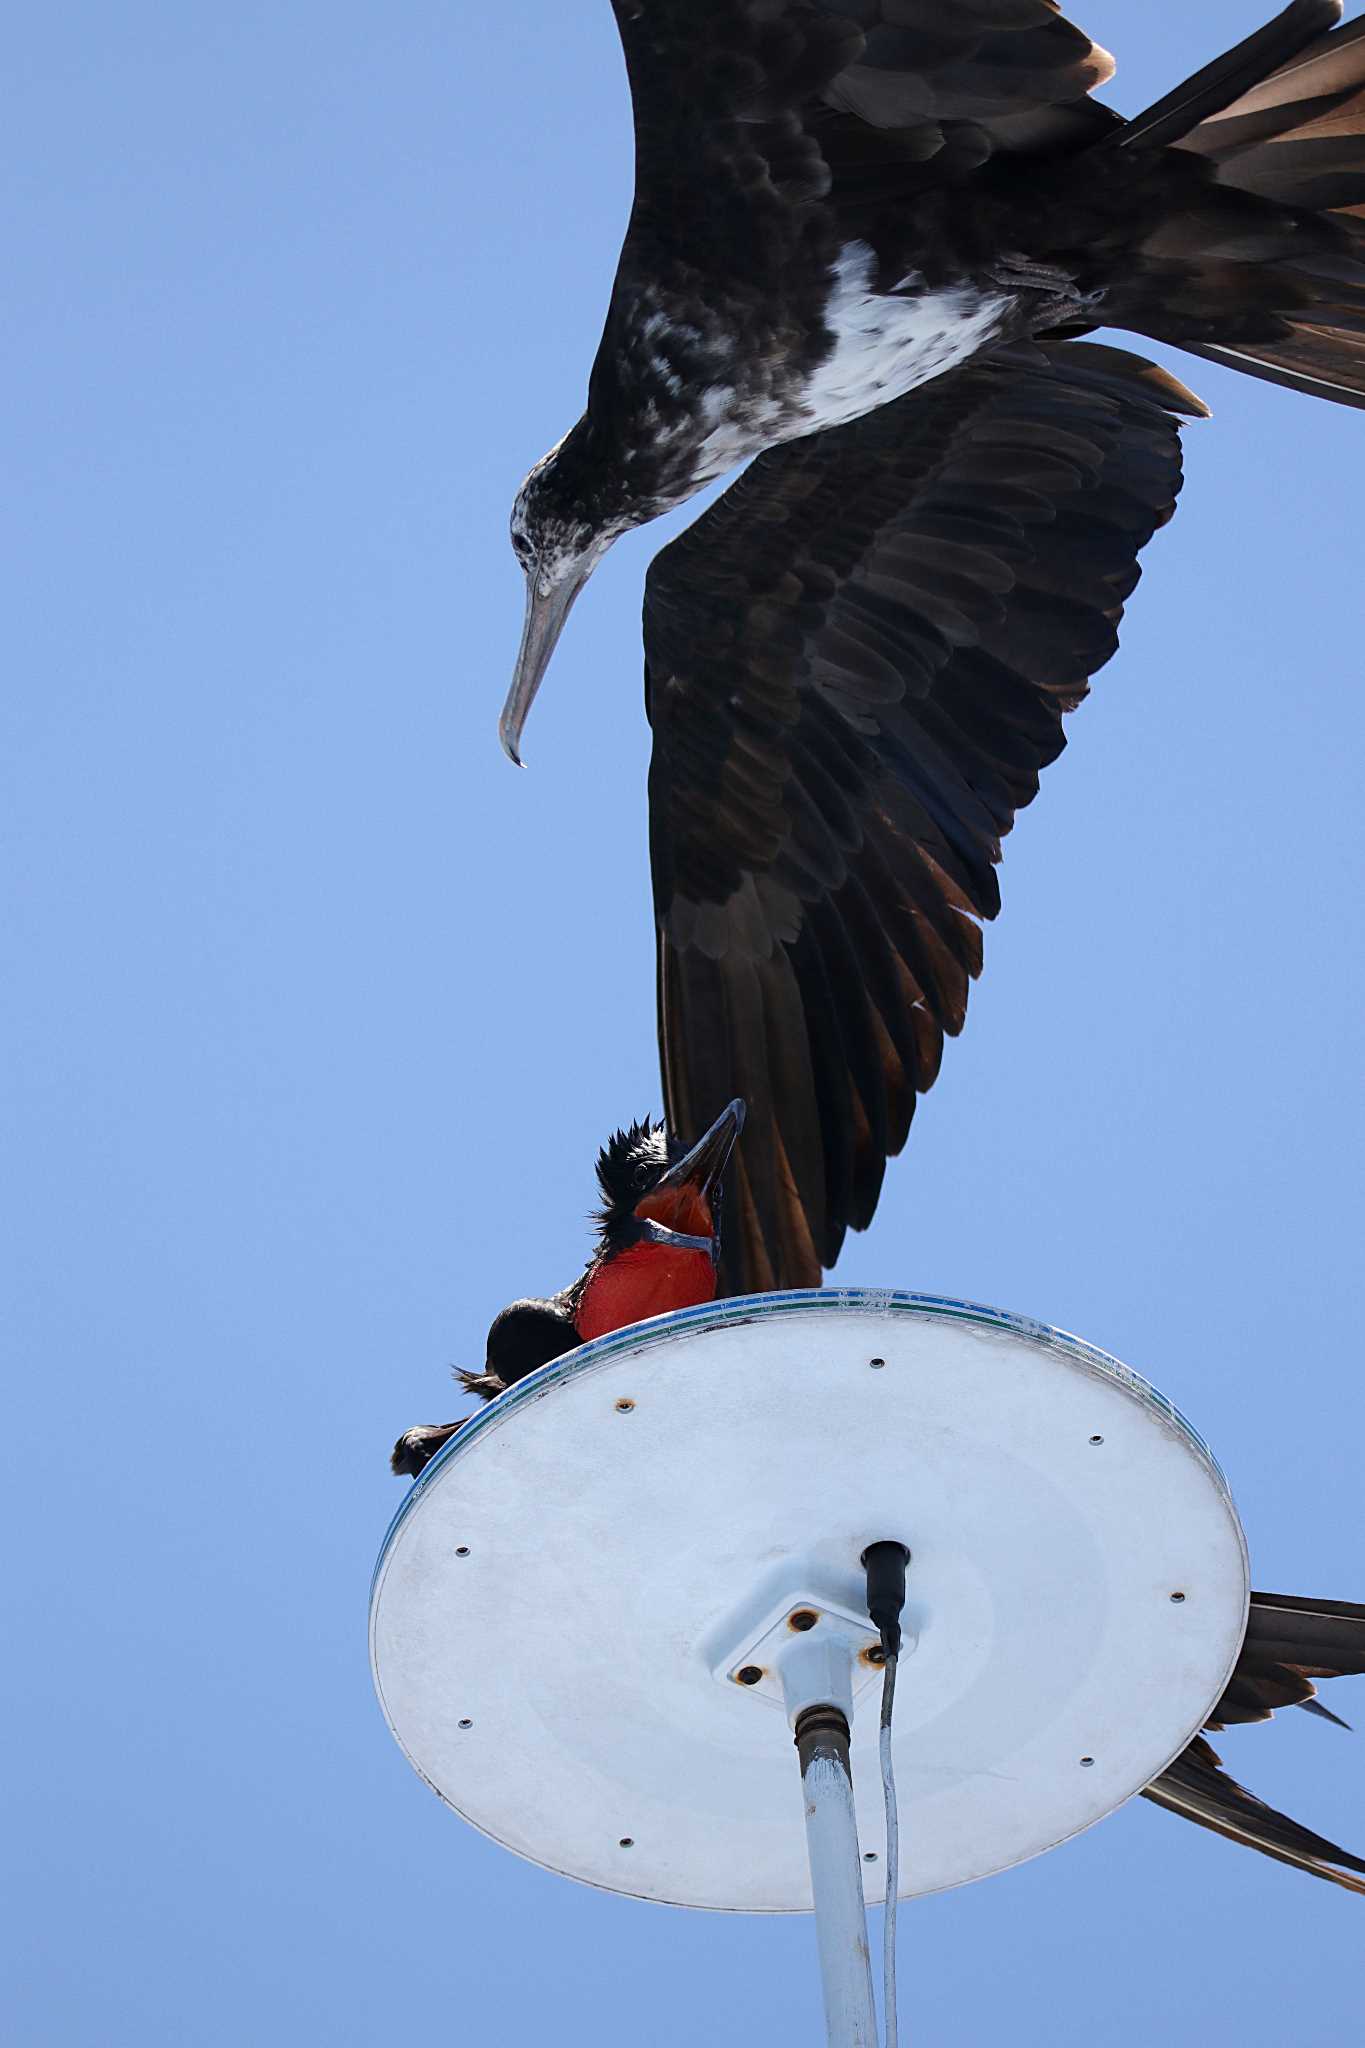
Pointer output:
658, 1248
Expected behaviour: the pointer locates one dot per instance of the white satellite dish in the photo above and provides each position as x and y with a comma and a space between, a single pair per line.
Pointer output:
581, 1621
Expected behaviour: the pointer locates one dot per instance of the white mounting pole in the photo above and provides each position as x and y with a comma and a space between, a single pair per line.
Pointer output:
836, 1878
817, 1685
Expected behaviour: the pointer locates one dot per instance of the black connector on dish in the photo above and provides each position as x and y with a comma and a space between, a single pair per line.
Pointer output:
885, 1565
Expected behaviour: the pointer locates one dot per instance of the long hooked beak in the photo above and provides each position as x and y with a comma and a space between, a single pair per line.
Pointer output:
546, 612
703, 1168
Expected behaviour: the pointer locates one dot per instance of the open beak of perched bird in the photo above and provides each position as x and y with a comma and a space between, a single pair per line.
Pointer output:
662, 1251
685, 1202
548, 604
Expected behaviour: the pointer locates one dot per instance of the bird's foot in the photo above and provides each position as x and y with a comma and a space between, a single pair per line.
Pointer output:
1015, 272
417, 1447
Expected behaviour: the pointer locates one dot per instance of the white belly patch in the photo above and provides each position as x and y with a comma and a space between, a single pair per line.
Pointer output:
886, 345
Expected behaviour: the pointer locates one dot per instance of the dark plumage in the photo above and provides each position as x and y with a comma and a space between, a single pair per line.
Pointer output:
864, 233
904, 609
838, 200
658, 1248
1289, 1643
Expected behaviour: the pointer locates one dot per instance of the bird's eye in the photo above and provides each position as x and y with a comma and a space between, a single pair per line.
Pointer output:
640, 1176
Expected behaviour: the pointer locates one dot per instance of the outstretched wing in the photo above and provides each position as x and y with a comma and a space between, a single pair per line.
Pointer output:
1288, 1644
857, 662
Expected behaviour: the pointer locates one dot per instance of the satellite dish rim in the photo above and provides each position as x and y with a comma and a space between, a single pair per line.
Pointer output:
738, 1308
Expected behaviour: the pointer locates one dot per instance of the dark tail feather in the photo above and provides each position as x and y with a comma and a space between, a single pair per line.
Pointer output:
1318, 369
1323, 1637
1295, 136
487, 1385
1323, 1713
1298, 136
1196, 1786
1219, 84
1289, 1643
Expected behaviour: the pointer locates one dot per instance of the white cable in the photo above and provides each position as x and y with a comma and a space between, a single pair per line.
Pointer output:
892, 1860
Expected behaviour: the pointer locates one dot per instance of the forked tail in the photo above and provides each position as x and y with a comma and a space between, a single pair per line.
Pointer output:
1289, 1643
1276, 289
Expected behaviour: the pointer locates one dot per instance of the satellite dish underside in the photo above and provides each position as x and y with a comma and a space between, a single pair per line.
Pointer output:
568, 1597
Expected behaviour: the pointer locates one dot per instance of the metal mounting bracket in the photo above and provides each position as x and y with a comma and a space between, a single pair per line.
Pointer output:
806, 1650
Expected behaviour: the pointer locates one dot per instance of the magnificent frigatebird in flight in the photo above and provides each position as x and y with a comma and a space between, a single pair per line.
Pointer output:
838, 200
658, 1249
863, 232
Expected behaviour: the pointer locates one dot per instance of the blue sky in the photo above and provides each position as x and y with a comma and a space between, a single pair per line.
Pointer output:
318, 1009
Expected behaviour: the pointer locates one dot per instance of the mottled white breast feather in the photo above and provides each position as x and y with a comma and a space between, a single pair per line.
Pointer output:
886, 344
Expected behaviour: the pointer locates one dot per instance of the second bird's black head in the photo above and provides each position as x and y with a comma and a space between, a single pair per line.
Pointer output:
657, 1190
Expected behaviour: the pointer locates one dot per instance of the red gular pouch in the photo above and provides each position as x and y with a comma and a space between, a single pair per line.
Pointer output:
646, 1280
661, 1241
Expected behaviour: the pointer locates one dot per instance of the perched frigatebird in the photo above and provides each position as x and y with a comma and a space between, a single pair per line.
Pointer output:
658, 1248
862, 233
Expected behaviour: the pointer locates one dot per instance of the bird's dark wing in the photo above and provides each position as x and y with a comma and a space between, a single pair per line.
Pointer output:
857, 663
1288, 1644
762, 102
